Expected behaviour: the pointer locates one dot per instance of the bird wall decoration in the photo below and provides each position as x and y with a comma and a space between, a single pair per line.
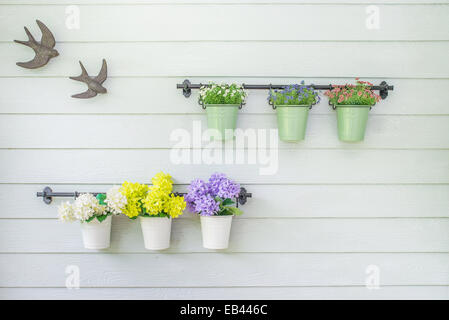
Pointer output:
94, 84
43, 50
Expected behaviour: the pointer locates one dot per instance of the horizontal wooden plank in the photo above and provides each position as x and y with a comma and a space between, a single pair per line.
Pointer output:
161, 131
229, 22
222, 270
210, 2
271, 166
159, 95
247, 235
272, 201
187, 59
287, 293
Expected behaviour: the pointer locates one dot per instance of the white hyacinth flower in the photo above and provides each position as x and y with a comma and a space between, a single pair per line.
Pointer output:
65, 212
115, 200
86, 206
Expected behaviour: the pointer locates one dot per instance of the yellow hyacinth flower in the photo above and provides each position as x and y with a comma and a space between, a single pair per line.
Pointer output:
175, 206
163, 182
134, 193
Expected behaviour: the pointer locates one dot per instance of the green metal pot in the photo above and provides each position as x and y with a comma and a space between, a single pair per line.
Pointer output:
351, 120
222, 117
292, 122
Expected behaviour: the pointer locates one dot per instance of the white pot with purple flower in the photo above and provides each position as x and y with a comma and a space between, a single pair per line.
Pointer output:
94, 214
214, 202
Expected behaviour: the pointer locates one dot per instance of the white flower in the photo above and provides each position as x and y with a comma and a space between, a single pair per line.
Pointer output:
115, 200
86, 206
65, 212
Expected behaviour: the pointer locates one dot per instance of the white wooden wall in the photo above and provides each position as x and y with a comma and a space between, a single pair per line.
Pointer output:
311, 230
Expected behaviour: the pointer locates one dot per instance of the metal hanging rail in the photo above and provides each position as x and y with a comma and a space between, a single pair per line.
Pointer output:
47, 194
187, 87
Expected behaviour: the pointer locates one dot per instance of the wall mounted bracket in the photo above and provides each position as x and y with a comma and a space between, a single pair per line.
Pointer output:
47, 195
187, 87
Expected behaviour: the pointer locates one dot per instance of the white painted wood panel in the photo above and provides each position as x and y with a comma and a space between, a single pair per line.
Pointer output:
316, 166
248, 293
187, 59
136, 131
267, 22
272, 201
247, 235
208, 2
310, 230
159, 96
223, 270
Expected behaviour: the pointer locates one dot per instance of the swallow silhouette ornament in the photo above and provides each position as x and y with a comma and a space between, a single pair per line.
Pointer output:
94, 84
44, 50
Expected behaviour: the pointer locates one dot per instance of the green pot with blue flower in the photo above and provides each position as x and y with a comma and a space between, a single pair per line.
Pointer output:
292, 104
222, 103
352, 103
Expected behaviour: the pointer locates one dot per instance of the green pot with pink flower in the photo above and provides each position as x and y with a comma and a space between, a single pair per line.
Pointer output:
222, 103
352, 103
292, 104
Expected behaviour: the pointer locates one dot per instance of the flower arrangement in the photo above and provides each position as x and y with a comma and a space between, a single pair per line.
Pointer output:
222, 94
349, 94
294, 95
160, 201
213, 197
88, 207
152, 201
134, 193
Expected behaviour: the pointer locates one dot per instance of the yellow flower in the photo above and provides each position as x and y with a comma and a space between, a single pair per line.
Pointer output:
175, 206
154, 202
163, 182
134, 193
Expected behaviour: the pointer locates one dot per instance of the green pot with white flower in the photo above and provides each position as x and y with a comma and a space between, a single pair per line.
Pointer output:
292, 104
352, 103
222, 104
155, 206
95, 216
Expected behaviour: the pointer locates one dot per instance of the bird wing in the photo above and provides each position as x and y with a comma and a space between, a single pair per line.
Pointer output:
31, 42
48, 40
37, 62
84, 77
85, 95
103, 73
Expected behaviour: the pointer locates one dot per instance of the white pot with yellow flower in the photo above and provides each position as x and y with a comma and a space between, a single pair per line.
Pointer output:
94, 214
155, 206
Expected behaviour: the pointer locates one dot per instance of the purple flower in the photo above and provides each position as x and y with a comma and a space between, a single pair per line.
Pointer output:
206, 205
197, 189
201, 195
221, 186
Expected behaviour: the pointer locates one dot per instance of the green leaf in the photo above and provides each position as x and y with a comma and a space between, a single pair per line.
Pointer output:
90, 219
102, 218
101, 197
236, 211
227, 202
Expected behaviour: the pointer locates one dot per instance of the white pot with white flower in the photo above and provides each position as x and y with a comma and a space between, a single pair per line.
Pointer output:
96, 234
95, 216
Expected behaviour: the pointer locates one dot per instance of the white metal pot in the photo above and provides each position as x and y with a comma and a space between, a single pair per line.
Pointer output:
96, 234
156, 232
216, 230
